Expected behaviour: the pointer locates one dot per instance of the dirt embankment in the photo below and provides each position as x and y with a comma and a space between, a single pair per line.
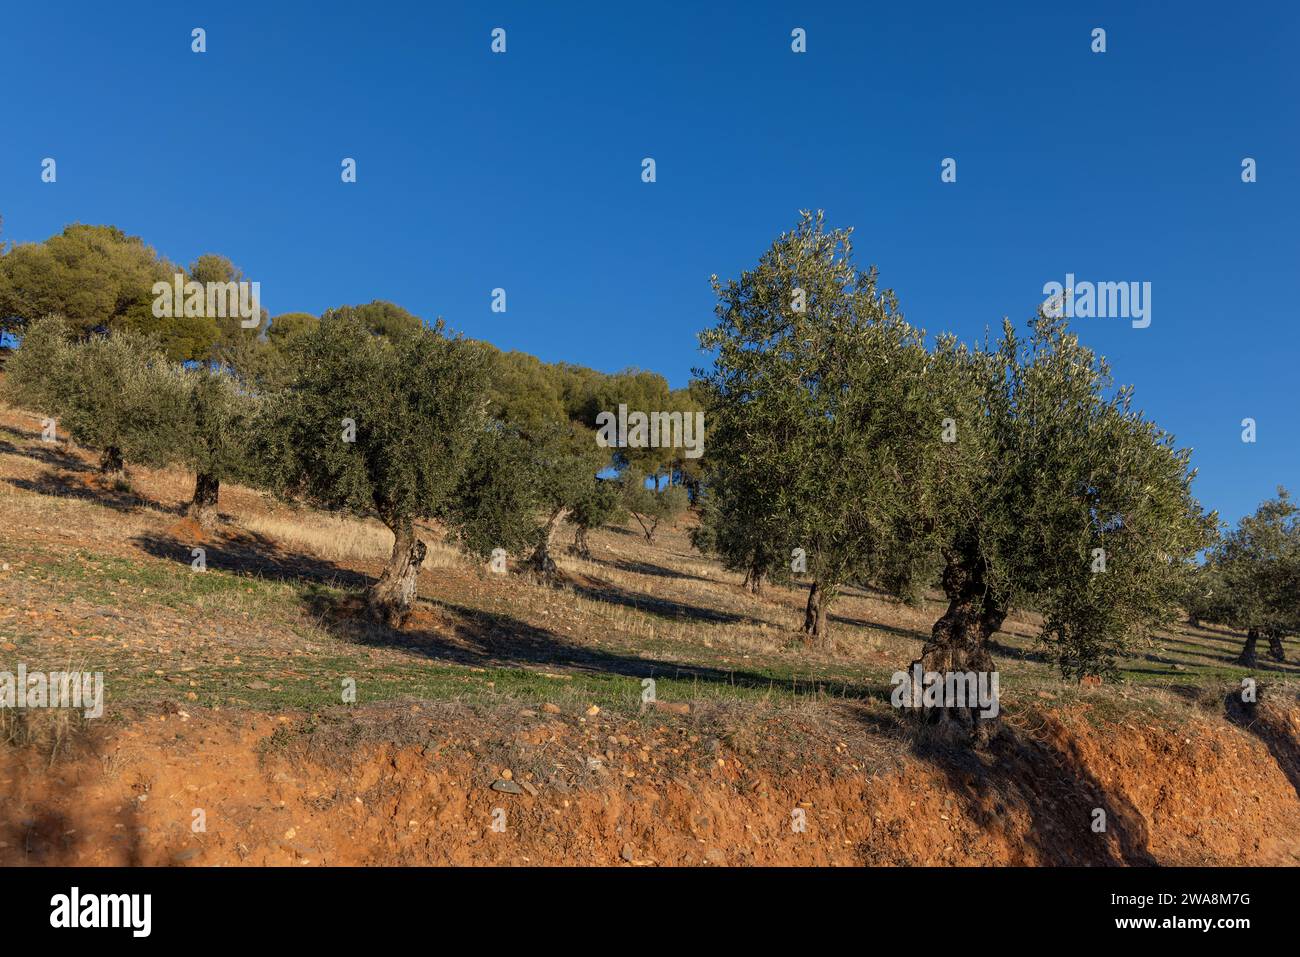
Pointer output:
444, 784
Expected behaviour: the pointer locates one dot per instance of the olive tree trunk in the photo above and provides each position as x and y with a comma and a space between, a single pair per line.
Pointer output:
111, 465
1247, 657
581, 546
959, 639
1275, 649
816, 628
203, 506
390, 598
540, 564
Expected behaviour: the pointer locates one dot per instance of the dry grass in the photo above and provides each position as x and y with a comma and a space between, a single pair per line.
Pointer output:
338, 538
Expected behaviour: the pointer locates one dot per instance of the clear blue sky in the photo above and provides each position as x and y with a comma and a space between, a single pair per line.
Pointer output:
523, 170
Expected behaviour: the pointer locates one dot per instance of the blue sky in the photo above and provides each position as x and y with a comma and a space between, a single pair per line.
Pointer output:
522, 170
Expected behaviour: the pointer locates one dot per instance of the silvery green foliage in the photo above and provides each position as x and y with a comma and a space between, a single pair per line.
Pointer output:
416, 397
1053, 463
218, 414
113, 392
1251, 578
649, 505
820, 424
524, 478
496, 503
37, 374
827, 428
597, 502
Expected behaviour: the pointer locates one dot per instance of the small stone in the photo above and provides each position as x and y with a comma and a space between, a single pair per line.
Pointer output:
593, 711
673, 707
531, 789
290, 834
507, 787
628, 853
551, 708
507, 774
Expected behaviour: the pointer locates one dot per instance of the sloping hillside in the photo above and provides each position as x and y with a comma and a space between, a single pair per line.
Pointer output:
225, 694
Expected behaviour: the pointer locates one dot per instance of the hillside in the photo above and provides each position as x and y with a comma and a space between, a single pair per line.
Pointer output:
223, 693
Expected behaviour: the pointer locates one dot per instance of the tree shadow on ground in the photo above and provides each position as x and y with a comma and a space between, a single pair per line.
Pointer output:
248, 553
915, 633
1045, 782
648, 568
50, 454
43, 832
457, 634
1003, 650
1271, 731
611, 594
65, 485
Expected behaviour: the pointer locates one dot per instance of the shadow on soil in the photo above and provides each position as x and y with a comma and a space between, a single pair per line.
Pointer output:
63, 484
1043, 783
247, 553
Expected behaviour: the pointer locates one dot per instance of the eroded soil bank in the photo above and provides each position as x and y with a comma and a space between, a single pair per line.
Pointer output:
445, 783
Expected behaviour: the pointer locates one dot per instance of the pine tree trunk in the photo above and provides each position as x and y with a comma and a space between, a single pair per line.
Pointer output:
390, 598
540, 565
203, 506
1275, 649
111, 466
1247, 658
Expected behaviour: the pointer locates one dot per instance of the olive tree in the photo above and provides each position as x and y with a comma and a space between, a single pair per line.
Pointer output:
1257, 569
596, 502
523, 482
117, 393
216, 417
379, 425
1052, 492
649, 505
820, 418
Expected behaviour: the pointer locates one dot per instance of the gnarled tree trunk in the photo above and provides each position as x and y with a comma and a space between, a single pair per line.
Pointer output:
203, 506
1275, 649
958, 640
390, 598
815, 626
540, 565
581, 547
111, 466
1247, 657
754, 581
